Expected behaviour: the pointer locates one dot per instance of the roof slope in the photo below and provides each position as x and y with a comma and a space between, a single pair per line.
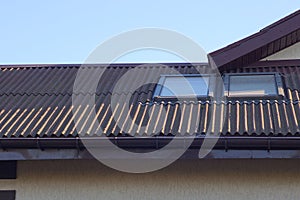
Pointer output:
36, 101
268, 41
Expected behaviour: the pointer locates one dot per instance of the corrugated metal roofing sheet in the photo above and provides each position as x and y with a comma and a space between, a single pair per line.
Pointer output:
37, 102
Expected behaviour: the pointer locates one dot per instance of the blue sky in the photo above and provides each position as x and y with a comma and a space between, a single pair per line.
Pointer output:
67, 31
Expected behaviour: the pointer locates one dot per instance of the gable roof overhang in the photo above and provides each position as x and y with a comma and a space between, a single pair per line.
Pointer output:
267, 41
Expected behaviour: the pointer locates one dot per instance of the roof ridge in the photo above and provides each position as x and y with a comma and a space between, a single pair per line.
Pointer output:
116, 65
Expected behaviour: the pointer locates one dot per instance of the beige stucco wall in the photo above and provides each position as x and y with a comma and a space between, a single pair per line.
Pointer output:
186, 179
292, 52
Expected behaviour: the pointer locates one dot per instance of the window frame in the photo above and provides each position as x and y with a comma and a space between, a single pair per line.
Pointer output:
278, 86
163, 77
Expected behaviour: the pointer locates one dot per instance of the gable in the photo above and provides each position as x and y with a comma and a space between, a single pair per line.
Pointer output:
289, 53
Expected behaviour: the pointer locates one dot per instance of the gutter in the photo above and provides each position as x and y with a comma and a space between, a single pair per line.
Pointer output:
151, 143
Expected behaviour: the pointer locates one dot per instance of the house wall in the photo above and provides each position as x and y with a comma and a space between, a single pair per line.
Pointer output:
185, 179
292, 52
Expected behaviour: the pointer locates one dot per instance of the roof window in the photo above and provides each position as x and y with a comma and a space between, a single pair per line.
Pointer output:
189, 85
253, 85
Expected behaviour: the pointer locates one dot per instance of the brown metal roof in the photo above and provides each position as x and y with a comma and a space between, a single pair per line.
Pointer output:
36, 101
268, 41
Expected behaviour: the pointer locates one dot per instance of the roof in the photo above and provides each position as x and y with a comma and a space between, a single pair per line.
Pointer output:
36, 101
267, 41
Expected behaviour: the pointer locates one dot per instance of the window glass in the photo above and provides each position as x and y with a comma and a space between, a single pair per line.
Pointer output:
185, 86
252, 85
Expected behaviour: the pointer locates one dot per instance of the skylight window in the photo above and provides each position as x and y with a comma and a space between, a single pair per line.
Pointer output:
182, 86
253, 85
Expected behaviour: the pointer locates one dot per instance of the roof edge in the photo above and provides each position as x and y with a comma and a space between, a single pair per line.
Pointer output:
226, 148
269, 34
260, 32
224, 142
